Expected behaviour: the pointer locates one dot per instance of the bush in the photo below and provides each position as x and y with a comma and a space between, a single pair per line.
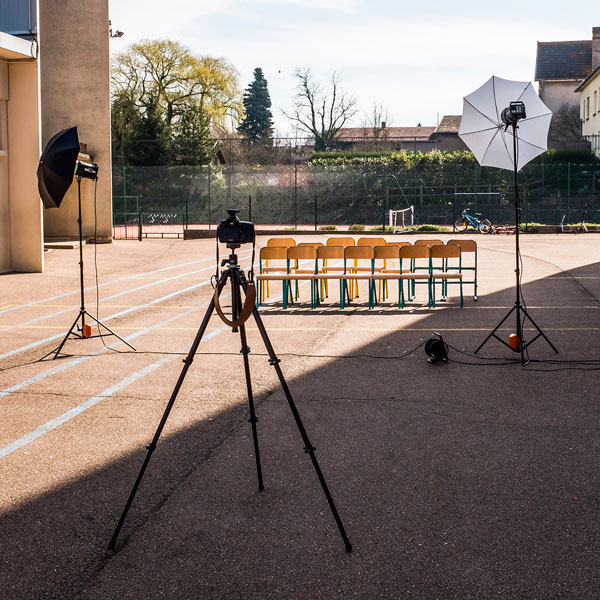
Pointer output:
328, 228
430, 227
356, 227
381, 228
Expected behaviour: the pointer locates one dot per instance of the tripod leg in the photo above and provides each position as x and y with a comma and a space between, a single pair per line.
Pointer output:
308, 448
151, 447
245, 351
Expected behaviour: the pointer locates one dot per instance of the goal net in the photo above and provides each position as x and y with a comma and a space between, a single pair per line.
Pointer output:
399, 219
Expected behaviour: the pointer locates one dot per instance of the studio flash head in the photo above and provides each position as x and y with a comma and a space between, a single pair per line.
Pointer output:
85, 170
513, 113
232, 231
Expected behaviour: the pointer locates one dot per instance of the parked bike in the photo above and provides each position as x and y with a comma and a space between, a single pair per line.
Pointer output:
466, 220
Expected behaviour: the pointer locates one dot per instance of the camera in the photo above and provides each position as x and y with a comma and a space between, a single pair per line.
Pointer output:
512, 113
232, 231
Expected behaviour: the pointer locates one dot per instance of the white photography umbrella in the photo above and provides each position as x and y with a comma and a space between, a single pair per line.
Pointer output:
490, 138
505, 125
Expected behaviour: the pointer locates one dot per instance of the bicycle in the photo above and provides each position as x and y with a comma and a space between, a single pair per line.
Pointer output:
466, 220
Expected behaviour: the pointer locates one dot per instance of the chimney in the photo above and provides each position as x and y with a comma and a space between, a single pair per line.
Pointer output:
383, 122
595, 47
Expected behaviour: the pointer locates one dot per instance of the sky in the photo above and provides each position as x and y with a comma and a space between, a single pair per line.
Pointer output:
415, 59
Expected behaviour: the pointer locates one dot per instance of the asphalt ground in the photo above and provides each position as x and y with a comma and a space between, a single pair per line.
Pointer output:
472, 479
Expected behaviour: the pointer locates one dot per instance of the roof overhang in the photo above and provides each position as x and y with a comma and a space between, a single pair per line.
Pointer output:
588, 79
14, 48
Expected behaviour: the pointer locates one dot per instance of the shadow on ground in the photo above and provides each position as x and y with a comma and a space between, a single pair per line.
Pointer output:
453, 481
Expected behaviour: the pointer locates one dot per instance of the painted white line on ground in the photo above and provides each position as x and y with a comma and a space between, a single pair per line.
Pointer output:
81, 408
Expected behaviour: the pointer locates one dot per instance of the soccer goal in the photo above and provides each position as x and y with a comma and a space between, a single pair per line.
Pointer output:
402, 218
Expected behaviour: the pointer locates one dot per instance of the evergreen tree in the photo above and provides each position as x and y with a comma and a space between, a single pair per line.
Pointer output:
258, 122
191, 138
149, 142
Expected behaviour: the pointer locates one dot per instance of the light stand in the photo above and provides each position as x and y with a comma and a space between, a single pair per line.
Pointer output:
90, 172
520, 344
238, 281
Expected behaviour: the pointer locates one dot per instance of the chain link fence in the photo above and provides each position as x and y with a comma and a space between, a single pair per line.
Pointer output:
167, 200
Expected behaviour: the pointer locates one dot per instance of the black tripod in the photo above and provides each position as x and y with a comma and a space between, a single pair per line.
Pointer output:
238, 281
522, 313
81, 331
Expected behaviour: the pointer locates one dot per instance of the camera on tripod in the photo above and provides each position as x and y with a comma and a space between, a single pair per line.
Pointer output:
513, 112
232, 231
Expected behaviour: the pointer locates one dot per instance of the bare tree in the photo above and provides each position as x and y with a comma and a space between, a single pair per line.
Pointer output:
376, 125
322, 114
566, 123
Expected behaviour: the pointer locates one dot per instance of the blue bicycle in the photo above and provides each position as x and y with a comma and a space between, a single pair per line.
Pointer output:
466, 220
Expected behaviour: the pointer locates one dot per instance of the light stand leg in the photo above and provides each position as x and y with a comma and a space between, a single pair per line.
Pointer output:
308, 447
152, 446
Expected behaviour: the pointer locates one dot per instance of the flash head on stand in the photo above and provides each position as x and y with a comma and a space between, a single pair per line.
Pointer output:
436, 349
513, 113
232, 231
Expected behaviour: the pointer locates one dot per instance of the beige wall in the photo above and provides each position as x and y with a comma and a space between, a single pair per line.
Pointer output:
555, 93
21, 238
4, 211
74, 68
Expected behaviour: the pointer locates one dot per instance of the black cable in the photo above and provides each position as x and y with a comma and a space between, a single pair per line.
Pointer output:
96, 270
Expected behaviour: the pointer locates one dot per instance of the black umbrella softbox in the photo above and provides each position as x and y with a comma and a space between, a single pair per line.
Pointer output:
57, 165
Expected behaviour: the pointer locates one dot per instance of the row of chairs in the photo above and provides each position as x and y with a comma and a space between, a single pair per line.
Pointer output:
438, 264
467, 246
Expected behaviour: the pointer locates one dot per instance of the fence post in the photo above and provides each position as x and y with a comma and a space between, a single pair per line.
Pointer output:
316, 219
454, 207
139, 203
295, 195
568, 192
187, 208
209, 219
385, 203
125, 181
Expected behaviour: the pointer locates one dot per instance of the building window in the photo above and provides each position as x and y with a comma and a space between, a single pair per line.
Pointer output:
595, 106
586, 109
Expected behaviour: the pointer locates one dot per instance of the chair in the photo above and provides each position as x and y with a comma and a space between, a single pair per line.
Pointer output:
412, 254
355, 272
294, 255
313, 245
326, 271
387, 253
275, 272
369, 241
281, 241
430, 244
284, 242
338, 241
447, 273
468, 247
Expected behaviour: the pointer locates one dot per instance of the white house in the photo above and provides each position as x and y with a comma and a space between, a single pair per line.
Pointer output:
589, 97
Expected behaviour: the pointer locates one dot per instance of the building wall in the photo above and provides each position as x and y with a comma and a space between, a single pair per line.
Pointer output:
75, 71
555, 93
590, 112
21, 238
4, 211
